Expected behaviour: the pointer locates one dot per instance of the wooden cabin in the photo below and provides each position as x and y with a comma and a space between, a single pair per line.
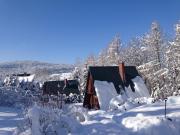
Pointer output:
120, 76
61, 87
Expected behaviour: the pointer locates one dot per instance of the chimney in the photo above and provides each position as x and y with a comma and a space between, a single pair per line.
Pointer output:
122, 71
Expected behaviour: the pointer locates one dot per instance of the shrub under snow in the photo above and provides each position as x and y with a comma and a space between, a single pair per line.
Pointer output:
46, 120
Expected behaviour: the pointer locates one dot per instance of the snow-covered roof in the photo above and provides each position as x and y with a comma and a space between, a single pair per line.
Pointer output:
106, 92
26, 78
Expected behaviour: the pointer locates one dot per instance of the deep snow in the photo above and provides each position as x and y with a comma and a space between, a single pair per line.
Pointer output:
143, 120
147, 119
136, 115
10, 119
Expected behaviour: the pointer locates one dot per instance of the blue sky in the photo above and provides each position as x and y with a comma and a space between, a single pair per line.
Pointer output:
60, 31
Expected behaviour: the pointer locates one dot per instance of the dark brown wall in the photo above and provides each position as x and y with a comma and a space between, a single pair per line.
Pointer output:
52, 88
91, 100
122, 71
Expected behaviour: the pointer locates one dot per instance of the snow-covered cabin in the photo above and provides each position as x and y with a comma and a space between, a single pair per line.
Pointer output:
25, 77
120, 76
14, 79
63, 87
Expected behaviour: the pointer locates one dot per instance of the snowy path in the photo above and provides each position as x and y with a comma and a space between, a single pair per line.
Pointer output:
9, 120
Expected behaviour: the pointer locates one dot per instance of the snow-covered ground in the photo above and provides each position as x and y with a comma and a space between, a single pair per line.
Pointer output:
66, 76
10, 119
62, 76
143, 120
131, 113
147, 119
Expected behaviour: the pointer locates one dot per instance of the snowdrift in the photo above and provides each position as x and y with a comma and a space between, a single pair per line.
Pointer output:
173, 100
74, 119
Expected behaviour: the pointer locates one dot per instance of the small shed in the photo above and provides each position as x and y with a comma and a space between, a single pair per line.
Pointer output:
120, 76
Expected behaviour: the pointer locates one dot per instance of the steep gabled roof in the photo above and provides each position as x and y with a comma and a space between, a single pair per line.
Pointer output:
53, 87
111, 74
24, 74
131, 72
72, 87
107, 73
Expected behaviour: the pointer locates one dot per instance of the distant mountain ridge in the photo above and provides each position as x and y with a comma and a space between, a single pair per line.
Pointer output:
29, 63
33, 67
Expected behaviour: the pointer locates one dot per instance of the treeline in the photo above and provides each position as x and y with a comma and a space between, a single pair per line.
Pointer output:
156, 57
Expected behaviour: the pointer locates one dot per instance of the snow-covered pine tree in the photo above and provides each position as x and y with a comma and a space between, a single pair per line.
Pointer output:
113, 51
84, 77
173, 62
152, 71
156, 41
102, 58
76, 74
133, 54
153, 42
91, 60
